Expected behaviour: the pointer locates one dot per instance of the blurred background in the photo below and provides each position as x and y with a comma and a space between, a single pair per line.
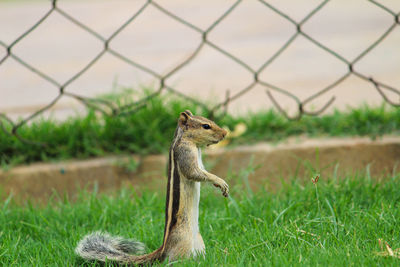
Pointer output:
57, 54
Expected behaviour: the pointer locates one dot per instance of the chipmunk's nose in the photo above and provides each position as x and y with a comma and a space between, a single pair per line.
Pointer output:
224, 133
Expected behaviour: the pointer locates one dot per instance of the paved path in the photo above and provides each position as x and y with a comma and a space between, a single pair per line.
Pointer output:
252, 33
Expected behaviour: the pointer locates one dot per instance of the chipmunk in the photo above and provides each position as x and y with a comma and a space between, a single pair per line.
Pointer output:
185, 172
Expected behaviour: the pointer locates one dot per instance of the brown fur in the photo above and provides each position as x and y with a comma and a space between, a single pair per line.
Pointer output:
185, 171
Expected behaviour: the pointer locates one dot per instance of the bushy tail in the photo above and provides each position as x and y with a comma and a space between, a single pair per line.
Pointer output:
102, 246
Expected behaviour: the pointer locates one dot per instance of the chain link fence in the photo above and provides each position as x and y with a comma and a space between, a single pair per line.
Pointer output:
110, 108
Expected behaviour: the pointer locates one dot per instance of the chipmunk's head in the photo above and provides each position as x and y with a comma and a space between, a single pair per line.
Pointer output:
200, 130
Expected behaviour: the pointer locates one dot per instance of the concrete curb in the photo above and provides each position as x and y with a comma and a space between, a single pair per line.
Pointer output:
274, 164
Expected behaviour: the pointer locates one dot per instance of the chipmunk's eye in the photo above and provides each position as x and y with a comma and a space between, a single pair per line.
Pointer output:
206, 126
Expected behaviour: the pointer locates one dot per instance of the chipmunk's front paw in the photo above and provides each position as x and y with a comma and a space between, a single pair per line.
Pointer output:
223, 186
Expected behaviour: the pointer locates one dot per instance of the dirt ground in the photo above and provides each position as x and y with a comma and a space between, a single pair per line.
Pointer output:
268, 166
252, 32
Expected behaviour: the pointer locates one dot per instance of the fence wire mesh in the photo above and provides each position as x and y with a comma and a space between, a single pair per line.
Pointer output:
109, 108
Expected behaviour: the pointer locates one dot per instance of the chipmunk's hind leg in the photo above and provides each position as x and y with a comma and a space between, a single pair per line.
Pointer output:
99, 246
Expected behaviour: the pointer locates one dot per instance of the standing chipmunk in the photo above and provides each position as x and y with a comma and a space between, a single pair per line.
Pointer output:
185, 172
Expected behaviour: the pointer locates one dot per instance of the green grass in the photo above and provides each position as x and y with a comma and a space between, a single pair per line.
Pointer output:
150, 130
336, 223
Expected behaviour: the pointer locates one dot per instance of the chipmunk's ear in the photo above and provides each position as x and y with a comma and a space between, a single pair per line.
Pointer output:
183, 119
188, 113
